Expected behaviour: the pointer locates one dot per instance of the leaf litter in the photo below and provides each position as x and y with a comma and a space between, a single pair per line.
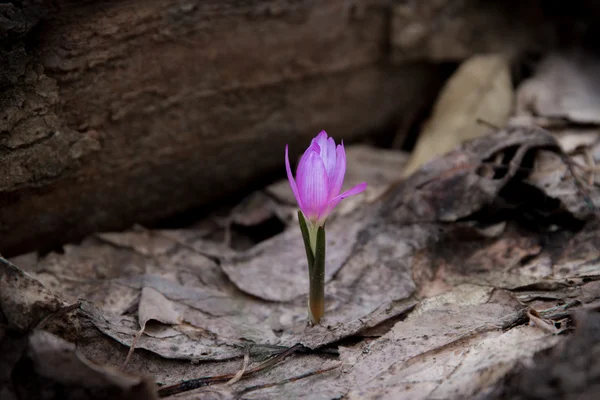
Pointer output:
431, 281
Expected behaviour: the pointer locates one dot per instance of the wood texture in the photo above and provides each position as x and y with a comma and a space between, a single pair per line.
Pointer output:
131, 111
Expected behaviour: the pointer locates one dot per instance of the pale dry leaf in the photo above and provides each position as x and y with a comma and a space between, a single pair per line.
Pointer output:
480, 89
190, 344
440, 323
257, 208
209, 393
104, 350
90, 271
571, 139
437, 350
301, 376
447, 373
507, 349
231, 318
276, 269
143, 241
154, 306
565, 86
378, 167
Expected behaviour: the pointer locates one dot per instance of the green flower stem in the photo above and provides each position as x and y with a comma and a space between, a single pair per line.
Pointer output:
316, 294
310, 253
314, 243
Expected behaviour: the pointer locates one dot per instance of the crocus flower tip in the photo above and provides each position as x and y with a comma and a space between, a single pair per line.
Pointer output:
319, 178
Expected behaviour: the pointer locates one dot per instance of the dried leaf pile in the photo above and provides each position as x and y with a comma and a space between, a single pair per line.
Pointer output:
448, 284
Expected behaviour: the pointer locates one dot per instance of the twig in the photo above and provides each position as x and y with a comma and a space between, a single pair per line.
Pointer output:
481, 121
240, 373
5, 261
210, 380
293, 379
136, 338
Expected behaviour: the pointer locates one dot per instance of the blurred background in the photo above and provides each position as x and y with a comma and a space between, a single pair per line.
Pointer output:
115, 113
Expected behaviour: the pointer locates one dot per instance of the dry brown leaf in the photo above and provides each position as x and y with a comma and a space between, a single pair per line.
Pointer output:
565, 86
288, 276
447, 372
154, 306
465, 180
437, 350
480, 89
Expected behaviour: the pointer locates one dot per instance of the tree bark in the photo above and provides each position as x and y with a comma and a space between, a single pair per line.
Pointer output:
123, 112
130, 111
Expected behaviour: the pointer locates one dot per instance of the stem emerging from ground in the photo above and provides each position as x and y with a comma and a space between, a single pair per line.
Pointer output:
316, 294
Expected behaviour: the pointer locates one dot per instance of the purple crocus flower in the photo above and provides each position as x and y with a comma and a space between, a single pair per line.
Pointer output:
319, 178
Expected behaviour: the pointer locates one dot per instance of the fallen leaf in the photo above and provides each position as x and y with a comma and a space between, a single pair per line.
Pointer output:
465, 180
289, 276
564, 86
480, 90
154, 306
421, 359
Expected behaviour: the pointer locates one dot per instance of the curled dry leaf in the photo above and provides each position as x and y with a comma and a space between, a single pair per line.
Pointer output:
548, 325
437, 350
154, 306
480, 90
288, 278
465, 180
564, 86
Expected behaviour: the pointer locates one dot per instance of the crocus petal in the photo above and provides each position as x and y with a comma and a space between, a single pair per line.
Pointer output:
291, 177
321, 137
314, 147
329, 157
327, 153
336, 180
351, 192
313, 187
334, 202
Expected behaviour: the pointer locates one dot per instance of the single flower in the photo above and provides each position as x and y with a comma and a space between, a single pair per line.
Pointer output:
319, 178
317, 186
